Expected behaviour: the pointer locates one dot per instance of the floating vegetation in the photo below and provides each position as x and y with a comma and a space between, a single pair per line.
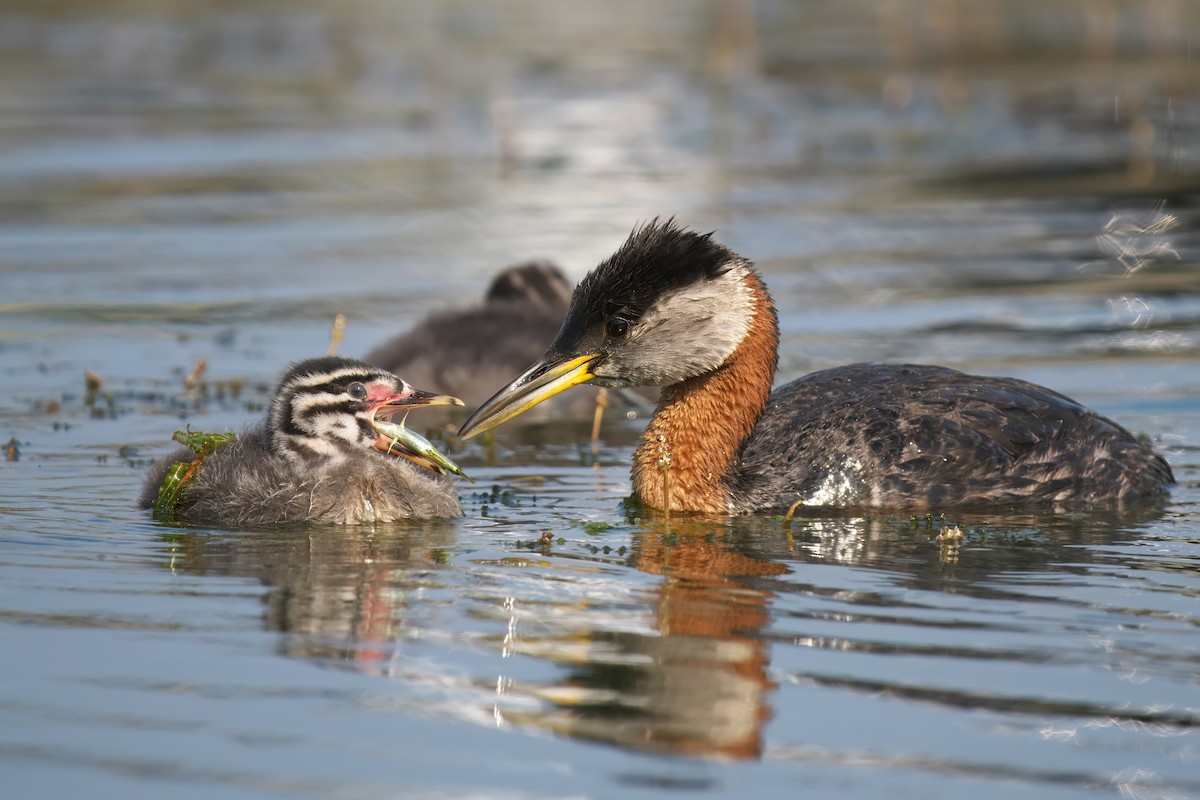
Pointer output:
337, 332
664, 464
181, 472
499, 495
192, 383
543, 543
949, 533
102, 404
787, 518
926, 522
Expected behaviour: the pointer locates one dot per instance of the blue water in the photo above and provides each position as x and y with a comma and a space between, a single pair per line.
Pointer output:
1003, 187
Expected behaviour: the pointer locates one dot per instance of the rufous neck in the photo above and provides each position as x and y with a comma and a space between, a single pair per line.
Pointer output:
701, 423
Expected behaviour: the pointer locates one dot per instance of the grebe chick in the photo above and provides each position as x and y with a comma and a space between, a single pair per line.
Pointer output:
469, 352
318, 456
673, 308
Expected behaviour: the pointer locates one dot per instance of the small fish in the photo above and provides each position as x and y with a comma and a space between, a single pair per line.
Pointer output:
420, 449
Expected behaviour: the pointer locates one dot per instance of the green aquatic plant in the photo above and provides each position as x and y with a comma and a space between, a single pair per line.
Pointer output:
181, 472
664, 464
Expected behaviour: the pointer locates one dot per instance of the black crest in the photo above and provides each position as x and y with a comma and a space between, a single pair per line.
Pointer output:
657, 258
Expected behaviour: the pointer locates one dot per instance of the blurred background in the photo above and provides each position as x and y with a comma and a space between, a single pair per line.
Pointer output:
215, 165
191, 191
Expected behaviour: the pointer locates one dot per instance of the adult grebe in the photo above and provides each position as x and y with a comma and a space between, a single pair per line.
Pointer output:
318, 457
673, 308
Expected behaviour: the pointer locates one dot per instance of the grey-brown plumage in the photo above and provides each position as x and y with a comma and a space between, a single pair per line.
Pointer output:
897, 435
673, 308
314, 458
468, 352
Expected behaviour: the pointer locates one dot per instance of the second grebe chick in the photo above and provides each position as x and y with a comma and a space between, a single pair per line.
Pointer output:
324, 454
673, 308
470, 351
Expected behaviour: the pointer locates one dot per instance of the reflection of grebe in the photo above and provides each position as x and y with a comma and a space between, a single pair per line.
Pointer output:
673, 308
318, 457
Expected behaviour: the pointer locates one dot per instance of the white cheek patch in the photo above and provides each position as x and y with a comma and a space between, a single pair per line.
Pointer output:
691, 331
339, 426
301, 447
302, 404
320, 418
297, 406
326, 431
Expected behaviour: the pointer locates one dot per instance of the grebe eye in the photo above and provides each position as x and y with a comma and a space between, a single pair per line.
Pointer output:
357, 390
617, 327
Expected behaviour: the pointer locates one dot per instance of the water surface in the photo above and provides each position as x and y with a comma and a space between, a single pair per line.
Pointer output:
1002, 187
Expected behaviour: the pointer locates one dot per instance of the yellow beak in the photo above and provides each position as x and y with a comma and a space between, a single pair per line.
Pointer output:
551, 374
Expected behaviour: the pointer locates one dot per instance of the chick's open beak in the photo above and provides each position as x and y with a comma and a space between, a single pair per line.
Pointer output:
553, 373
410, 398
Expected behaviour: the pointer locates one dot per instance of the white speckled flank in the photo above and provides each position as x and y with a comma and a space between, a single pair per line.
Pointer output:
839, 487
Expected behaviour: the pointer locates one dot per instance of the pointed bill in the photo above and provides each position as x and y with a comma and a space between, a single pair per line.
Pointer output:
553, 373
415, 397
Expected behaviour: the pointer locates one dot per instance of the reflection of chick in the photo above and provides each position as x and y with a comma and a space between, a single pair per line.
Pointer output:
469, 352
673, 308
318, 457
